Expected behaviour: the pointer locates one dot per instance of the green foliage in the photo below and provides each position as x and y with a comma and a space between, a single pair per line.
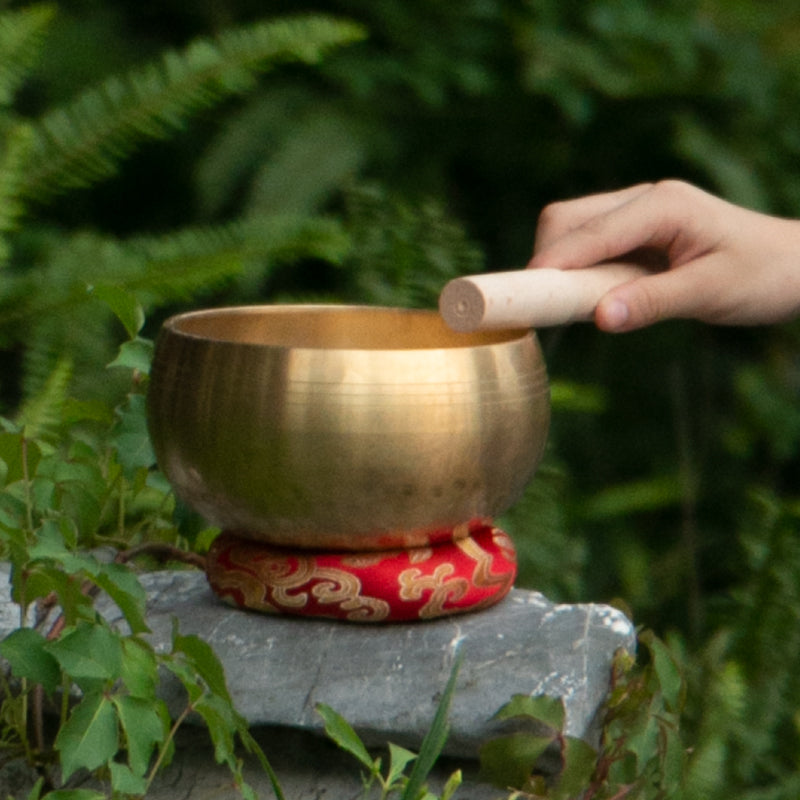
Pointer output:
395, 782
641, 754
84, 141
13, 164
69, 482
402, 253
22, 34
743, 699
77, 472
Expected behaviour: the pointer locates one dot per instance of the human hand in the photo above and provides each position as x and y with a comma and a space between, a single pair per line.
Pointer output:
712, 261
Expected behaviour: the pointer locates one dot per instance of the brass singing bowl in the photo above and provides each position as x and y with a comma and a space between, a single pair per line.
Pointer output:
344, 427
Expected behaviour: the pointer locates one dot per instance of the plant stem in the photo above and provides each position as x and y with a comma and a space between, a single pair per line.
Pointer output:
38, 717
24, 726
164, 552
165, 746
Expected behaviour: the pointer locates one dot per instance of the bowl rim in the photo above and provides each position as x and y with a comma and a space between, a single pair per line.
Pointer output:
455, 341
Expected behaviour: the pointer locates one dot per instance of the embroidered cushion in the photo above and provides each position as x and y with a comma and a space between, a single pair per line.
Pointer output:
465, 573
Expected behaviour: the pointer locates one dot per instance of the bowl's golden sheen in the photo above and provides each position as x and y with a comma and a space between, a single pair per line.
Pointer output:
344, 427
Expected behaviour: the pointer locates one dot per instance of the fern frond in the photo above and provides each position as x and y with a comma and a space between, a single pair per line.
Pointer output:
82, 332
14, 163
41, 414
162, 269
246, 137
284, 182
50, 313
198, 259
22, 34
84, 141
403, 254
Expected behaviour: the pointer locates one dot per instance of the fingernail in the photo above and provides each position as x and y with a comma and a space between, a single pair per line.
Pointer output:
615, 314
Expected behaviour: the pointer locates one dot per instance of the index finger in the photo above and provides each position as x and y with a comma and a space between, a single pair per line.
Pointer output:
564, 216
653, 218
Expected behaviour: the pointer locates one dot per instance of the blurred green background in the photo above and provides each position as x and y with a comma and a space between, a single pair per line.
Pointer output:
426, 151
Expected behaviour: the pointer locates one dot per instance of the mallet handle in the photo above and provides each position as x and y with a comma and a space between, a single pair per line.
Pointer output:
529, 298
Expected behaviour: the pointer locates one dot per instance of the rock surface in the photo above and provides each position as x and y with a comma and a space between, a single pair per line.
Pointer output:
385, 680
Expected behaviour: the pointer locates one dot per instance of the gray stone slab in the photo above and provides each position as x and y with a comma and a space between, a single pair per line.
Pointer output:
387, 679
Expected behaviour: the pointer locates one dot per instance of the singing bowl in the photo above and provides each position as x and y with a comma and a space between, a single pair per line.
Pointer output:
344, 427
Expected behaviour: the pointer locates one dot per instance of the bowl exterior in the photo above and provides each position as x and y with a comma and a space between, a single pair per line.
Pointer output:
344, 447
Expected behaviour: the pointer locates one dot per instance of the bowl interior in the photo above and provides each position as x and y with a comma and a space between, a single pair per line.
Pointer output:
332, 327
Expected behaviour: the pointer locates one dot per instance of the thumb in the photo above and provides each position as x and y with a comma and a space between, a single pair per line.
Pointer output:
648, 300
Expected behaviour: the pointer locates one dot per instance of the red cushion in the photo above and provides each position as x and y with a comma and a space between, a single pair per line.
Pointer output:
467, 574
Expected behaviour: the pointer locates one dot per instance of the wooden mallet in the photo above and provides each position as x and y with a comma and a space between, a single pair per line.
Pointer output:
529, 298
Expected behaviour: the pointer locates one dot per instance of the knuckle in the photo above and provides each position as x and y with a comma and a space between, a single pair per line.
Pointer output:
551, 215
673, 189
